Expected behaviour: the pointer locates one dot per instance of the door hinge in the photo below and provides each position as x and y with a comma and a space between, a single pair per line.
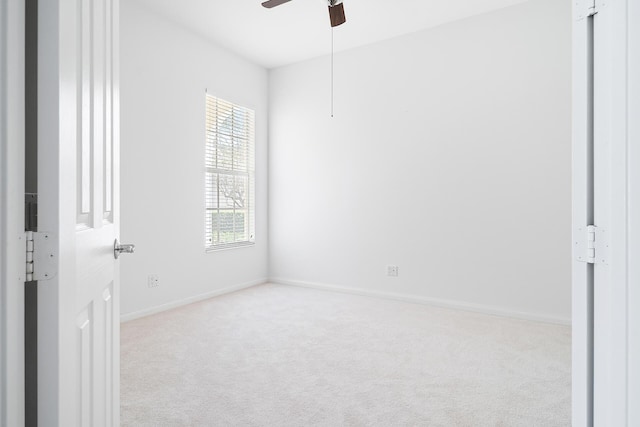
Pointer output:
591, 245
585, 8
41, 256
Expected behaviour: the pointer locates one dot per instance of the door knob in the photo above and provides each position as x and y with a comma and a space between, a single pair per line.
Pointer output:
122, 249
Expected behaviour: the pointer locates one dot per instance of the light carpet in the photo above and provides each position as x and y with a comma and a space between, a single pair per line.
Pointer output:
277, 355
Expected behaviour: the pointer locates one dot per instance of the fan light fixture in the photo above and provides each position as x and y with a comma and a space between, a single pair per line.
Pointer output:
336, 10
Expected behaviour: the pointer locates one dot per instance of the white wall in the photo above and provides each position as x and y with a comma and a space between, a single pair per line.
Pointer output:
164, 72
449, 156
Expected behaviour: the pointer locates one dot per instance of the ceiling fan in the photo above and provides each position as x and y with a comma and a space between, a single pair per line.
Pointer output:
336, 10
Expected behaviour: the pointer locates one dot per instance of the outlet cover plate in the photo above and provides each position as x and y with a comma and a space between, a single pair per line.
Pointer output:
153, 281
392, 270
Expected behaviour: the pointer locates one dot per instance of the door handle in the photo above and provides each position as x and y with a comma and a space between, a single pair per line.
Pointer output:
122, 249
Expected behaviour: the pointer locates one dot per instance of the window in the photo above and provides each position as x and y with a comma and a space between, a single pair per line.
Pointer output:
229, 177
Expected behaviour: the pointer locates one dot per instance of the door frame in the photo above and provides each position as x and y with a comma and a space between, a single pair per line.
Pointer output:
633, 323
614, 201
12, 246
606, 295
624, 27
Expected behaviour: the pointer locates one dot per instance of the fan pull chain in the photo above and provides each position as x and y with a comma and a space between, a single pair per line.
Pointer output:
331, 71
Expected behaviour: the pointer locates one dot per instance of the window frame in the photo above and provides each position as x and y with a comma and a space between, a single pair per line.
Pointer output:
214, 134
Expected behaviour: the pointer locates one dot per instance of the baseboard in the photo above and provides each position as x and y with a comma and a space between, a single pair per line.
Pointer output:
175, 304
478, 308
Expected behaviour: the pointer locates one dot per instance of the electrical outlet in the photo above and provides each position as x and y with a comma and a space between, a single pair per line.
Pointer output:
392, 270
153, 281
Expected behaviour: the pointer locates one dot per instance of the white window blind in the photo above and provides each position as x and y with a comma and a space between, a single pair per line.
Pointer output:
229, 177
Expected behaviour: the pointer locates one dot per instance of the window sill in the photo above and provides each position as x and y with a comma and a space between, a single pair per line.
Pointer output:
228, 246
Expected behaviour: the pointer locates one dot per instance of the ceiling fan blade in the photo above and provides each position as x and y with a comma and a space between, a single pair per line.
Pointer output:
336, 14
273, 3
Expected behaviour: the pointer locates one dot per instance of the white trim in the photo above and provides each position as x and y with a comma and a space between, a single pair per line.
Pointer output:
633, 145
12, 261
611, 284
458, 305
228, 246
190, 300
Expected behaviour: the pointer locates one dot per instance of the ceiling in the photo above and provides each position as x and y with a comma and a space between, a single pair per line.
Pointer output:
300, 29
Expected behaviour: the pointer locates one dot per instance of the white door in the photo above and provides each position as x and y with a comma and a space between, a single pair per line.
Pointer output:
78, 128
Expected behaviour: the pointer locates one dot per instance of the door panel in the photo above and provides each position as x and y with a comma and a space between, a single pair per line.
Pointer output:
81, 310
